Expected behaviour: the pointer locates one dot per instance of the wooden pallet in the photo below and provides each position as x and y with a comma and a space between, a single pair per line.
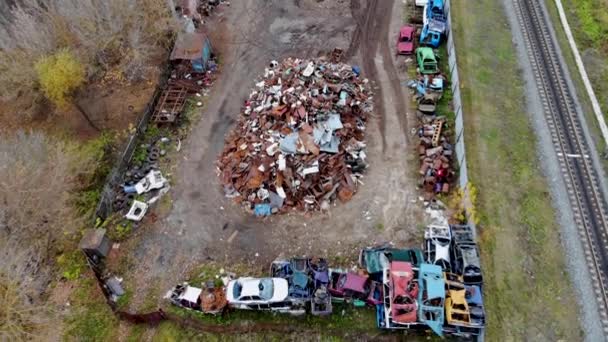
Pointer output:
437, 126
170, 104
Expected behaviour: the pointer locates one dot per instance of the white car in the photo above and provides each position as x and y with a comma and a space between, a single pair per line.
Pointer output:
259, 294
438, 239
421, 3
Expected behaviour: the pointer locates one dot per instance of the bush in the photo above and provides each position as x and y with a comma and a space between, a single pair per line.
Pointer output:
108, 36
59, 75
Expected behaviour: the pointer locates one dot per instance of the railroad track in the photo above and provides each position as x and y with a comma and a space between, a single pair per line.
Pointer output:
572, 148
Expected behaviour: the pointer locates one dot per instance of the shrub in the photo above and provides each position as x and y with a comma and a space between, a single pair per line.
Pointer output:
59, 76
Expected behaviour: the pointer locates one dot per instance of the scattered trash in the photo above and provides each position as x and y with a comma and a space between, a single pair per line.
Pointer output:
300, 137
137, 211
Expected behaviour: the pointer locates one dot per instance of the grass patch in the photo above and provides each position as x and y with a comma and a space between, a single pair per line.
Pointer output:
528, 295
345, 317
91, 318
95, 159
71, 264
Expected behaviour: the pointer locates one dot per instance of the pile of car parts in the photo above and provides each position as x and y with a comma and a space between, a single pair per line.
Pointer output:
300, 139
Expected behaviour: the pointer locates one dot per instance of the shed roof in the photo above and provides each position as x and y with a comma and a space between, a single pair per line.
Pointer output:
188, 46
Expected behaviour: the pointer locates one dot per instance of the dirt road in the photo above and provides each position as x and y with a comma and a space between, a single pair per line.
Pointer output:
202, 219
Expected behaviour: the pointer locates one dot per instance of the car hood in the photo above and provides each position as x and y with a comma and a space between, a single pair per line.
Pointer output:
405, 46
281, 289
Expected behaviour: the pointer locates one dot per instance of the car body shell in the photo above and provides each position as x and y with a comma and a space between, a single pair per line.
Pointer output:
376, 259
431, 297
352, 286
427, 63
405, 40
466, 260
208, 300
465, 315
403, 292
438, 240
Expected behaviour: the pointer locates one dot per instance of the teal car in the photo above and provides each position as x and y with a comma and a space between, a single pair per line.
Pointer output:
375, 259
431, 297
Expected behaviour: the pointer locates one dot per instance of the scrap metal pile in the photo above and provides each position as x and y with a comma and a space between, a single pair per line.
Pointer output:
299, 141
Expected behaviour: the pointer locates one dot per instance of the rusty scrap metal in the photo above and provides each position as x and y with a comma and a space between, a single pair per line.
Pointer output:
299, 141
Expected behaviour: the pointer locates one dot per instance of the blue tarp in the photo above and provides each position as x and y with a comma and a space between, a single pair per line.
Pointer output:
262, 209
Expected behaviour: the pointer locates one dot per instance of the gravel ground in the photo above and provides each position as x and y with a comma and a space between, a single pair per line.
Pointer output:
573, 249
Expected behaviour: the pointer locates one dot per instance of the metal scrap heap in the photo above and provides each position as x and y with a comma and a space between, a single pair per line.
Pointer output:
299, 141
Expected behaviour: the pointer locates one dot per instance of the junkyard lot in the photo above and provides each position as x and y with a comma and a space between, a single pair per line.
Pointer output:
201, 221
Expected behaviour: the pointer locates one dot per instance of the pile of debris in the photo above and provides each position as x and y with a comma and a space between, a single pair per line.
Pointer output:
144, 183
435, 154
434, 150
299, 141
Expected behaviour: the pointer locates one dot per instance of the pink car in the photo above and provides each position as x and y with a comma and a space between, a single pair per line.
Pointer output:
405, 42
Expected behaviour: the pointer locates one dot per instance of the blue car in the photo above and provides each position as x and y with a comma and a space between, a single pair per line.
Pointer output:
431, 297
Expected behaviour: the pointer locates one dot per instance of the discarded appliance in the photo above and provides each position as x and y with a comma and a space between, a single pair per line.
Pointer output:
137, 211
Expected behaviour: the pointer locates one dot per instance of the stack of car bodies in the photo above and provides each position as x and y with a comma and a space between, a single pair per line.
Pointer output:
452, 250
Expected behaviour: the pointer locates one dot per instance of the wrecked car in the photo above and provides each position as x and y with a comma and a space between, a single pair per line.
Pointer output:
401, 308
464, 311
355, 288
261, 294
376, 259
437, 240
210, 300
405, 41
320, 302
466, 255
431, 297
432, 32
427, 104
427, 63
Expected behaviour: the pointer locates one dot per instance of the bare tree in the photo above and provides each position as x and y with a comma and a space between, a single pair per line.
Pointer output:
35, 181
105, 34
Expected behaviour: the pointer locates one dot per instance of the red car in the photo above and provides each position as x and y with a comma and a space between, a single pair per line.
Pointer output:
405, 42
348, 285
403, 290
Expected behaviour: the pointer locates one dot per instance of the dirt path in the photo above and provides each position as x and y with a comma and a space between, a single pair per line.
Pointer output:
202, 219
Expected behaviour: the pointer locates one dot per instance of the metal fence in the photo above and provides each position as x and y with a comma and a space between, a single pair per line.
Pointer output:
114, 179
457, 102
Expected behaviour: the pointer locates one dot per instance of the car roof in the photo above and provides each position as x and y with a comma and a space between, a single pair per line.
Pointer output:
406, 30
355, 282
250, 287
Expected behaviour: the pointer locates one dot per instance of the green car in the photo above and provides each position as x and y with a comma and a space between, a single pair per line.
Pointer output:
375, 259
427, 63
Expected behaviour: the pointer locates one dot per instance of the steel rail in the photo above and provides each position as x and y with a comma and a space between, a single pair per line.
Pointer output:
571, 145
